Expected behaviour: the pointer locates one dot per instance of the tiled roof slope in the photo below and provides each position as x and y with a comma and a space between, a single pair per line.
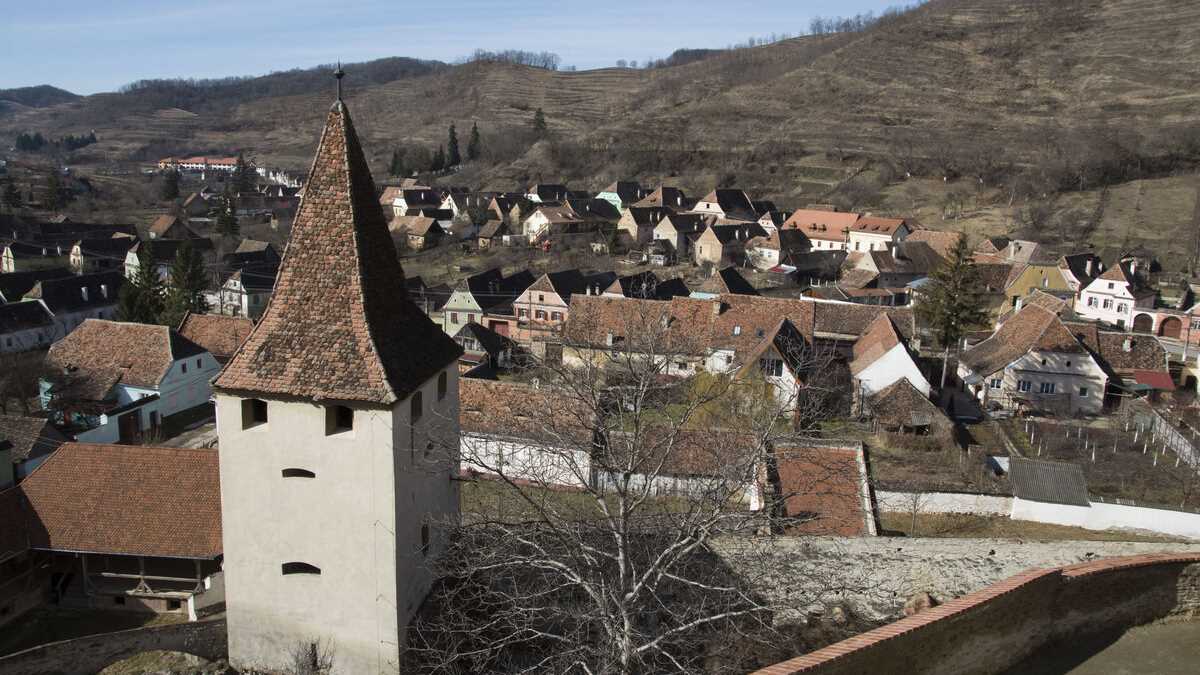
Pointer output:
822, 491
727, 280
340, 324
118, 499
220, 335
1030, 328
879, 339
140, 353
28, 437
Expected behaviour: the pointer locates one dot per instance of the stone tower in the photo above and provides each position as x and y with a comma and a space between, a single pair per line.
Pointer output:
338, 426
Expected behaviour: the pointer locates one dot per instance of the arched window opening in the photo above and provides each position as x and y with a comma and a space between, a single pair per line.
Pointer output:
299, 568
298, 473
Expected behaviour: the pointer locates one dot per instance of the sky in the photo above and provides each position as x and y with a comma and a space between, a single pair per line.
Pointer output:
89, 46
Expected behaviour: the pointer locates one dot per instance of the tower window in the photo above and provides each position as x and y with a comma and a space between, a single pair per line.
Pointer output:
298, 473
442, 385
338, 419
254, 413
424, 540
415, 407
299, 568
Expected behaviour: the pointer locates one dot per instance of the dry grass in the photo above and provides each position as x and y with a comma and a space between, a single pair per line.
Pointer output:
955, 525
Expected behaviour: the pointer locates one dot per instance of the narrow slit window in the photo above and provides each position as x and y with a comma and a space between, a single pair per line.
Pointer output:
415, 407
298, 473
442, 379
425, 540
299, 568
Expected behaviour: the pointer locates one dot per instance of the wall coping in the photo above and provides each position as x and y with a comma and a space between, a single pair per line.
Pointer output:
968, 603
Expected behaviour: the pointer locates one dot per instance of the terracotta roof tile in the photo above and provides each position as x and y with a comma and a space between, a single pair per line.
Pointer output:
220, 335
900, 404
28, 437
879, 339
340, 324
822, 489
140, 354
119, 499
522, 411
1031, 328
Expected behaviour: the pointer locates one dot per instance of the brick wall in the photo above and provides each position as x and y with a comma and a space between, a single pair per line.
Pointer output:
91, 654
995, 628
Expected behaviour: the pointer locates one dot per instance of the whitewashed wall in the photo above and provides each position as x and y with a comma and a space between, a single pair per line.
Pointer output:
945, 502
1101, 516
525, 461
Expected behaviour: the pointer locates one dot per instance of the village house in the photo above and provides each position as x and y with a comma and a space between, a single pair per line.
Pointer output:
14, 285
646, 285
723, 281
543, 307
168, 226
725, 244
1034, 361
25, 442
1079, 270
903, 408
162, 255
419, 233
1114, 297
826, 230
547, 193
667, 197
680, 230
491, 234
873, 233
247, 290
485, 298
727, 203
194, 206
217, 334
71, 300
26, 256
770, 251
100, 255
881, 358
485, 352
549, 220
824, 488
25, 326
103, 527
637, 223
114, 381
622, 194
407, 200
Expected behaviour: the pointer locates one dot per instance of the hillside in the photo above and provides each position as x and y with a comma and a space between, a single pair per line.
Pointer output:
1029, 98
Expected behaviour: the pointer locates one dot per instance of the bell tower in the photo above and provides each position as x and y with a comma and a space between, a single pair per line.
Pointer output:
338, 429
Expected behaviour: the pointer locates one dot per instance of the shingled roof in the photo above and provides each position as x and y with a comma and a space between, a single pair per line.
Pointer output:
221, 335
117, 499
1032, 328
340, 324
139, 354
824, 491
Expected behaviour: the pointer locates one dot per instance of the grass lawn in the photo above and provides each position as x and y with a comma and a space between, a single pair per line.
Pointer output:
955, 525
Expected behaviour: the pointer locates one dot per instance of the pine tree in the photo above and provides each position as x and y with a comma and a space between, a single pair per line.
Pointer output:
243, 175
170, 186
141, 298
952, 301
54, 191
453, 156
227, 222
12, 196
186, 292
397, 168
439, 160
474, 143
539, 123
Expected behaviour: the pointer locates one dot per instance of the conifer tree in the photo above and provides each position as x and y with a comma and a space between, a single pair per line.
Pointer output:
952, 301
473, 145
453, 156
186, 292
141, 298
227, 222
539, 123
170, 186
12, 196
397, 168
243, 175
54, 191
439, 160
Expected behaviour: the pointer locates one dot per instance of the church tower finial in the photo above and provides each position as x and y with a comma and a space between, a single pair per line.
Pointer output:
338, 75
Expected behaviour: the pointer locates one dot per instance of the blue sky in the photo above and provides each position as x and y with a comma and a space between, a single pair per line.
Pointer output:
88, 46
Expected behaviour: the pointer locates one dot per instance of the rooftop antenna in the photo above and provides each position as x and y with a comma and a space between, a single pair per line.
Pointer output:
338, 75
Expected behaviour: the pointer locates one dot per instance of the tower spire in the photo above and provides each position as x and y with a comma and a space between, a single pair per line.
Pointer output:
338, 75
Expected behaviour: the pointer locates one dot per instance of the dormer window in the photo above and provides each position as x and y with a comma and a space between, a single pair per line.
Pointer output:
338, 419
254, 413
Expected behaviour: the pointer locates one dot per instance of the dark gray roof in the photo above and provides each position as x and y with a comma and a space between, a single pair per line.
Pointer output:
1054, 482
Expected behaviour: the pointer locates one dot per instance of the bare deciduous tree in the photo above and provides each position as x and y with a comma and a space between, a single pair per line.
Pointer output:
591, 548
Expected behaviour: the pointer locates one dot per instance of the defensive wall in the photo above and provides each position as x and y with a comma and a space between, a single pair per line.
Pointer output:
92, 653
996, 628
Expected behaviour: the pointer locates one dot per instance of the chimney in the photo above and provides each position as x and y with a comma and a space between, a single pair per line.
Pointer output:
717, 308
1133, 266
608, 340
1127, 345
1087, 268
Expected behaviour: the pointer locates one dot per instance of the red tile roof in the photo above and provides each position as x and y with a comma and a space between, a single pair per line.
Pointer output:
826, 225
118, 499
137, 354
220, 335
340, 324
823, 491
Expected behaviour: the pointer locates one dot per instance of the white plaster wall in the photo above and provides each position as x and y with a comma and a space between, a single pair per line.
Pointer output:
945, 502
526, 461
1101, 516
890, 368
359, 520
32, 338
